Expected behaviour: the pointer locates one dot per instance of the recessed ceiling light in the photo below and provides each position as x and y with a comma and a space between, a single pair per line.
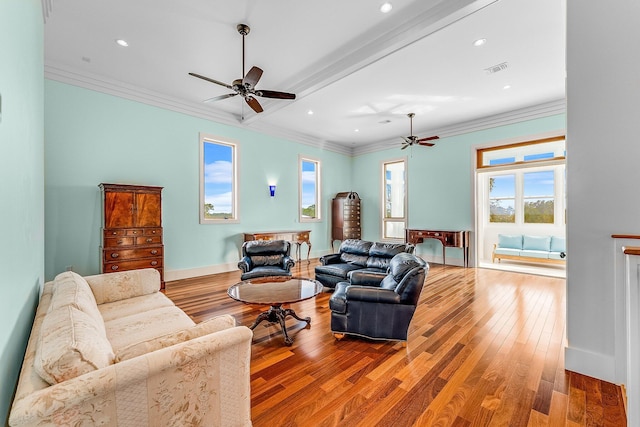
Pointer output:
122, 42
479, 42
386, 7
310, 112
505, 87
356, 130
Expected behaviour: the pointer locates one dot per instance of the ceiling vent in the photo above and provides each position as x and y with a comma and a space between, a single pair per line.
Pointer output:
384, 122
496, 68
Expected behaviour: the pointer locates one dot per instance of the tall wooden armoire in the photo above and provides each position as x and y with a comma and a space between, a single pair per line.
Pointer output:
345, 217
131, 228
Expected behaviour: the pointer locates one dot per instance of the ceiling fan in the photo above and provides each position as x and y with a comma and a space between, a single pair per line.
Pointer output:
245, 87
411, 139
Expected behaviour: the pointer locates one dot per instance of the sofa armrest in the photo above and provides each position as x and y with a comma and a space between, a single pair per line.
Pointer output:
369, 294
366, 278
245, 264
330, 259
121, 285
203, 381
288, 262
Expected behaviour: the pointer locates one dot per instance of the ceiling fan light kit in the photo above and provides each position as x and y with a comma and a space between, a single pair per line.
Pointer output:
245, 87
412, 139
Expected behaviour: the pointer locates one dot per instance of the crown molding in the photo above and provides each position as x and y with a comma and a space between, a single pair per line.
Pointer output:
532, 112
111, 87
101, 84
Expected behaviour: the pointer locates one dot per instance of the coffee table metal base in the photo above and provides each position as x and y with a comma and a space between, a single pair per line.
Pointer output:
277, 314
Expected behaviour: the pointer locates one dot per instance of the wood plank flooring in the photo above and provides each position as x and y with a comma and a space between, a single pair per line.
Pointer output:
485, 348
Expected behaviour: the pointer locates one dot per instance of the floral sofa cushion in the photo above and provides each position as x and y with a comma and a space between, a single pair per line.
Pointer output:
71, 289
71, 343
207, 327
127, 284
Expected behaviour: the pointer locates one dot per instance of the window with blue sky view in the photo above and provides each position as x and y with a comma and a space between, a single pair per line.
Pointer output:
309, 199
218, 171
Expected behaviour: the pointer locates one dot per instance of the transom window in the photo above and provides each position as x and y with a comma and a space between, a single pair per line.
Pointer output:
540, 150
218, 180
309, 183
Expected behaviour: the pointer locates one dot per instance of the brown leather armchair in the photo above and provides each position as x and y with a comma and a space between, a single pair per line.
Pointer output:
379, 307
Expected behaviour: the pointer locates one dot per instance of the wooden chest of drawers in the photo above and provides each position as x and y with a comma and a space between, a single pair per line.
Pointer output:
132, 228
345, 217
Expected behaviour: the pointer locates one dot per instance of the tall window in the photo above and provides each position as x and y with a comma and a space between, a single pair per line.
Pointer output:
394, 208
539, 195
502, 198
309, 182
218, 180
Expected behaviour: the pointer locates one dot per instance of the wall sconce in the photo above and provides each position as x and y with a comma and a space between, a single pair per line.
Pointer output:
272, 190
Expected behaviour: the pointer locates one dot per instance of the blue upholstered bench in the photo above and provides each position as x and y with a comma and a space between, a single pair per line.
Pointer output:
519, 247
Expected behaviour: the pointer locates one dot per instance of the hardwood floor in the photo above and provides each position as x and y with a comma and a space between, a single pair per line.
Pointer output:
486, 348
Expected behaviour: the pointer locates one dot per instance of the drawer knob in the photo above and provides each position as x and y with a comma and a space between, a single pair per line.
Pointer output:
154, 252
154, 262
114, 267
135, 232
114, 232
120, 241
153, 231
115, 255
149, 240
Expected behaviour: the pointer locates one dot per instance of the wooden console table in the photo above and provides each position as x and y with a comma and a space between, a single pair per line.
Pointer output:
451, 239
295, 237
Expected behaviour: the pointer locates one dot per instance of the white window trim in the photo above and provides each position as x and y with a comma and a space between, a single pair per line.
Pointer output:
318, 163
203, 137
383, 199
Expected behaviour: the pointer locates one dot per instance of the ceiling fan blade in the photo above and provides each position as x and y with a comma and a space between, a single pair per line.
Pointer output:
405, 146
218, 98
254, 104
275, 94
407, 140
426, 144
252, 76
211, 80
429, 138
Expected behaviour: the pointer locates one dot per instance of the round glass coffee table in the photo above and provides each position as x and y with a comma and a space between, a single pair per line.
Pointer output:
276, 291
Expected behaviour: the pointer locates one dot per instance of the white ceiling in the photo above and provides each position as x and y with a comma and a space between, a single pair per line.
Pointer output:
353, 66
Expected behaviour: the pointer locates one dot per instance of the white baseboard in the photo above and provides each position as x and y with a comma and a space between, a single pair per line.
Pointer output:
595, 365
170, 275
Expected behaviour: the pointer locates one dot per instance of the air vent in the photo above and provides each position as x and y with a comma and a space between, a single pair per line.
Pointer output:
496, 68
384, 122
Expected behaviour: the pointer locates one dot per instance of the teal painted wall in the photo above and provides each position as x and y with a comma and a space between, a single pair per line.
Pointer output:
21, 184
92, 137
440, 180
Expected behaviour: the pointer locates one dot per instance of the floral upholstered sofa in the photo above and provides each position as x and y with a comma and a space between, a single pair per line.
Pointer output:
112, 350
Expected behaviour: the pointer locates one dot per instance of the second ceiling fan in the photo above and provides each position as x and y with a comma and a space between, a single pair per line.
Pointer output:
245, 87
412, 139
